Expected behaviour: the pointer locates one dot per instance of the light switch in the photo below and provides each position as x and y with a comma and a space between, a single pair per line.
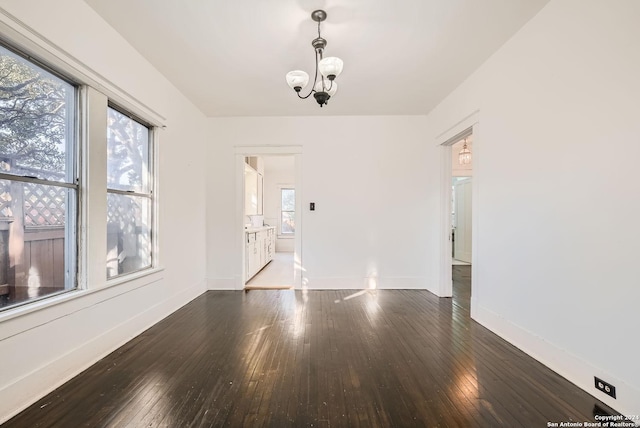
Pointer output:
312, 206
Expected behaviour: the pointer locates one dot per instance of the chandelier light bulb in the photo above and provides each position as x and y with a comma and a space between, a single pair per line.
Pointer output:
330, 67
297, 80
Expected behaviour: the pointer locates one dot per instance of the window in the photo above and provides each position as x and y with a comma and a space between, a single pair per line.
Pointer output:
129, 194
287, 211
38, 182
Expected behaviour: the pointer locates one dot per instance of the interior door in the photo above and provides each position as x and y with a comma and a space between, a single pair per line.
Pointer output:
462, 225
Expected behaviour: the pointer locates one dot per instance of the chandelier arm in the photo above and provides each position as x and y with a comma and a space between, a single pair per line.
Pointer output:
318, 52
315, 78
306, 96
330, 84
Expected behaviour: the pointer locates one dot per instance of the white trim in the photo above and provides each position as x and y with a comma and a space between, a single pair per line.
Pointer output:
567, 365
33, 314
93, 190
156, 260
240, 153
27, 39
241, 262
445, 288
465, 127
451, 135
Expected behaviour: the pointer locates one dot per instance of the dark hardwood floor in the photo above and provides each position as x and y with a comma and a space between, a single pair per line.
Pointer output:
284, 358
461, 275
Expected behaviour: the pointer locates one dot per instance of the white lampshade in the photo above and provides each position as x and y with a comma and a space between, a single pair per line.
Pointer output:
297, 78
330, 66
327, 84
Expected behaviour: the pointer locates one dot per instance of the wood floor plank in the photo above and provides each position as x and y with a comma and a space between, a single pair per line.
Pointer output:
343, 358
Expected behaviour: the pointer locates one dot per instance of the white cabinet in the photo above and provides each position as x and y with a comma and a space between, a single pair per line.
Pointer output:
260, 247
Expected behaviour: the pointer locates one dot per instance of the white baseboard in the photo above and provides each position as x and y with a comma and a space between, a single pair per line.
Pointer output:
20, 394
567, 365
337, 283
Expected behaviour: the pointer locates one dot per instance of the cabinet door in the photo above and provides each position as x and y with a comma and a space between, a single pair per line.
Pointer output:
254, 259
251, 256
271, 245
273, 242
260, 192
247, 261
251, 191
263, 249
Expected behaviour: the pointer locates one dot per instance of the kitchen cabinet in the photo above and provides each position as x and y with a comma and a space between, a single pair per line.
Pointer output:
253, 183
260, 247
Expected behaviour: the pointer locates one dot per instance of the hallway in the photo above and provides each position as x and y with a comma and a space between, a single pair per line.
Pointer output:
278, 274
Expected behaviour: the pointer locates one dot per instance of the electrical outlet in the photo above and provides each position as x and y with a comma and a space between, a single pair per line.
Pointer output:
605, 387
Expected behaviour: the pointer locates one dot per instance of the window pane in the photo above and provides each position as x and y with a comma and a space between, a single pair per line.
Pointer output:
128, 234
36, 120
37, 241
127, 153
288, 222
288, 200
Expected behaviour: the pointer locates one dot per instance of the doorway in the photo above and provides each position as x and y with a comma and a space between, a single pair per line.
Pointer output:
276, 228
458, 243
268, 206
461, 220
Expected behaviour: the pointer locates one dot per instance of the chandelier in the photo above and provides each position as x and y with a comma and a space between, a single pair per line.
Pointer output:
329, 68
464, 157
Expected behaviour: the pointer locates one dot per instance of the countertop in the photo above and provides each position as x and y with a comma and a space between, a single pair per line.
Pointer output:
252, 229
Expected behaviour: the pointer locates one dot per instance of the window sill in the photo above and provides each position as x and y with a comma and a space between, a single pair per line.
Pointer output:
292, 236
132, 276
91, 296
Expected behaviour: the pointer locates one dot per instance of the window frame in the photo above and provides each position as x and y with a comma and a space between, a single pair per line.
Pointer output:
93, 91
151, 180
281, 234
72, 181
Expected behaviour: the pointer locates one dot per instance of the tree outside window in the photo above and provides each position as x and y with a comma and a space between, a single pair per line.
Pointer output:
38, 185
129, 196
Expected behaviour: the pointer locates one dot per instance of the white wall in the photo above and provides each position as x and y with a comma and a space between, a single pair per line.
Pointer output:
278, 171
556, 204
40, 349
375, 185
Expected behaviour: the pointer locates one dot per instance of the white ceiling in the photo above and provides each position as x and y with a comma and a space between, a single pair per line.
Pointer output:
401, 57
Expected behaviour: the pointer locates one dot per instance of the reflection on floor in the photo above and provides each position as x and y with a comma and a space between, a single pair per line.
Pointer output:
276, 275
285, 358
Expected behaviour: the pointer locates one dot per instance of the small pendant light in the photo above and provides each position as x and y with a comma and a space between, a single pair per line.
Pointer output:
464, 157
